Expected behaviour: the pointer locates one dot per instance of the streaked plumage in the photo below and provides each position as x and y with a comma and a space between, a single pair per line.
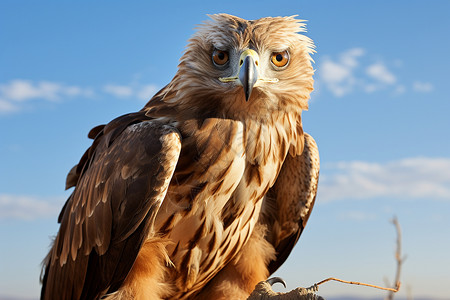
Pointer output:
206, 190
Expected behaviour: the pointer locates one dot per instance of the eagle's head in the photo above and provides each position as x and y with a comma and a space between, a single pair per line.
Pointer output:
239, 68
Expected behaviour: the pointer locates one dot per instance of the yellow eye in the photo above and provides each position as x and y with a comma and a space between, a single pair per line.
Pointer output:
220, 57
280, 59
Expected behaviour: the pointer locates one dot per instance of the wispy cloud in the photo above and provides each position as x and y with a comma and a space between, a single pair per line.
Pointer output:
425, 178
28, 207
22, 90
7, 107
121, 91
422, 87
15, 94
380, 72
137, 91
338, 76
145, 92
351, 71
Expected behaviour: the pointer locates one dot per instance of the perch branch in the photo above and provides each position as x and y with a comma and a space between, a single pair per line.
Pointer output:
398, 255
394, 290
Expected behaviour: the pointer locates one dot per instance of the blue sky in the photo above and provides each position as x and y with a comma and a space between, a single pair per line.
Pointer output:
380, 115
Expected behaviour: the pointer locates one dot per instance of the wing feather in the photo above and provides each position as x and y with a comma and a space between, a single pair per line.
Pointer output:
289, 202
120, 183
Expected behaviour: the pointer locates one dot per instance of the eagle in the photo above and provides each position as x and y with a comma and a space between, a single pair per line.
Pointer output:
204, 192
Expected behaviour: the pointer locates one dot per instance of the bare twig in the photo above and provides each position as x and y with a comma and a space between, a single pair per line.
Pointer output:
398, 256
393, 290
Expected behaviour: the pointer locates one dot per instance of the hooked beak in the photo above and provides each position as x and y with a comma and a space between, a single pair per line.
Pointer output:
248, 75
248, 72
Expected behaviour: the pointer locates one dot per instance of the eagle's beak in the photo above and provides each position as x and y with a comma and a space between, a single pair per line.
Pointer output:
248, 71
248, 75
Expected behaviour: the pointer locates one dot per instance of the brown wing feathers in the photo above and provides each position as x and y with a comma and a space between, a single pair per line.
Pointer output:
291, 200
112, 208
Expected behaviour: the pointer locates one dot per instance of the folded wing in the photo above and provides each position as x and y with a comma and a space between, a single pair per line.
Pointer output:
290, 201
119, 185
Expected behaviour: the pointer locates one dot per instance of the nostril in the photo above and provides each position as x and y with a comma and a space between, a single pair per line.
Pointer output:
241, 62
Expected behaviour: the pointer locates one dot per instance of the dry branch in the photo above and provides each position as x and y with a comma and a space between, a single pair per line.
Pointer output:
392, 290
398, 256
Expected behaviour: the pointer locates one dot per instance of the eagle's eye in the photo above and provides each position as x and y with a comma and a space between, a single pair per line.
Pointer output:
220, 57
280, 59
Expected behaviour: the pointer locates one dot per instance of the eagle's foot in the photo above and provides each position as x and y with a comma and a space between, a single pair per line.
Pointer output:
263, 290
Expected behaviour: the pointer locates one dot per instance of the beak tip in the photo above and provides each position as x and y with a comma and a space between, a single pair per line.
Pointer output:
247, 96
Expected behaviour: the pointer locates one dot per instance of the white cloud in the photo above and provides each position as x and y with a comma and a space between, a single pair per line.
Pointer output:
338, 76
334, 72
425, 178
349, 57
147, 91
14, 93
399, 89
351, 72
380, 72
22, 90
28, 207
120, 91
423, 87
7, 106
141, 92
370, 88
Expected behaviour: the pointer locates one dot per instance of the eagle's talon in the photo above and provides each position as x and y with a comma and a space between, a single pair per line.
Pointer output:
274, 280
